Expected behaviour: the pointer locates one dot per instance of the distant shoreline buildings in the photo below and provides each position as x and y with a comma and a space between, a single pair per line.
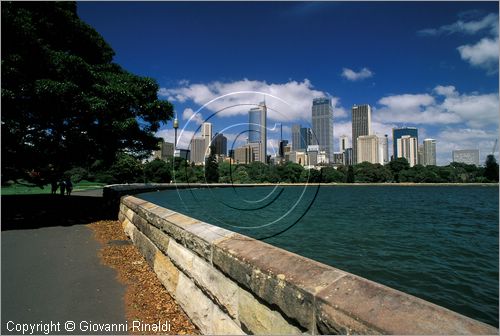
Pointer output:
314, 147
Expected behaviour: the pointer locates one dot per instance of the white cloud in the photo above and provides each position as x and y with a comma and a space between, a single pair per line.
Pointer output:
407, 101
183, 137
189, 114
490, 22
286, 101
450, 139
475, 110
352, 75
445, 90
483, 54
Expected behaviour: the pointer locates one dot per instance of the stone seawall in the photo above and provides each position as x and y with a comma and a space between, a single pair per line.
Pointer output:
232, 284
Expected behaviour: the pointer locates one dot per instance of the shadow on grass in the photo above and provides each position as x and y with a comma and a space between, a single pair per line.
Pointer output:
22, 212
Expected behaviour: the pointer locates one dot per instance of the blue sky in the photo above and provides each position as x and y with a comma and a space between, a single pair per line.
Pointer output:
424, 64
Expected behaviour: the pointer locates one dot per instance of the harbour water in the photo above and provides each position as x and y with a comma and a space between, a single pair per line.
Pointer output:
439, 243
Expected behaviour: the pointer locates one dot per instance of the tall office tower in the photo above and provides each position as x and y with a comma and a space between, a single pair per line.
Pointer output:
361, 125
408, 148
367, 149
301, 137
420, 154
348, 157
166, 150
468, 156
206, 133
343, 143
257, 129
429, 152
220, 144
281, 150
198, 149
322, 125
296, 140
397, 133
383, 148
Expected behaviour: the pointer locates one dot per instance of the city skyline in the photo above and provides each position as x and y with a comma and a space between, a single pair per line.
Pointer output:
435, 70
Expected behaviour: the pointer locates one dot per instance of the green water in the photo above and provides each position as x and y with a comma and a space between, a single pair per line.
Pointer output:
439, 243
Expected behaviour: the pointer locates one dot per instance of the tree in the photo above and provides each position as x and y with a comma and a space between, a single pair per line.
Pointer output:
398, 165
330, 174
126, 169
65, 103
491, 170
157, 171
212, 167
349, 177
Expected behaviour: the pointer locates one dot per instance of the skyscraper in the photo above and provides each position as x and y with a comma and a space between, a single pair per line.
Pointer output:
257, 129
301, 137
361, 125
220, 144
343, 143
408, 148
420, 154
206, 133
397, 133
367, 148
322, 125
198, 149
383, 148
429, 152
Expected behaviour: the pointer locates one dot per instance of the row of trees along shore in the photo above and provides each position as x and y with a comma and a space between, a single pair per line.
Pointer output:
127, 169
69, 111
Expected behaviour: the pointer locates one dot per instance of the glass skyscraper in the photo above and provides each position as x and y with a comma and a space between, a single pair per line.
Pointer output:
257, 130
322, 125
301, 137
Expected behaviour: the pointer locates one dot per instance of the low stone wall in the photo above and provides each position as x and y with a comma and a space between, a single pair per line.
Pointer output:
232, 284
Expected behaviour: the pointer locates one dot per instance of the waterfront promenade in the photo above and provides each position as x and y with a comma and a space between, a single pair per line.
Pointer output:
50, 267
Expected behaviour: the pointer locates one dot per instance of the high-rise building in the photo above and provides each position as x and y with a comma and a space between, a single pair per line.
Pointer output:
257, 130
243, 154
408, 148
198, 150
322, 125
343, 143
420, 154
367, 148
361, 126
383, 147
166, 150
467, 156
348, 157
397, 133
429, 152
301, 137
338, 158
281, 149
206, 133
220, 144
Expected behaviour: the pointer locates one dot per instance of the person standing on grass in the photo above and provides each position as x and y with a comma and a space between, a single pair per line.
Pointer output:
62, 186
69, 186
54, 186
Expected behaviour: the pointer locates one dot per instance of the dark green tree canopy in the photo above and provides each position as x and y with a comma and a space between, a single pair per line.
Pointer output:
65, 103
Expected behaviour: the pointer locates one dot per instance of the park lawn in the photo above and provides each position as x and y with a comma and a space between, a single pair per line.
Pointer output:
18, 189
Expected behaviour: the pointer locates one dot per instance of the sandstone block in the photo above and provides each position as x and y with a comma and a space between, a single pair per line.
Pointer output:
259, 319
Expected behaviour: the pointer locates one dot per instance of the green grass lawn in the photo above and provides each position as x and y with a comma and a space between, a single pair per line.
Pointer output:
18, 189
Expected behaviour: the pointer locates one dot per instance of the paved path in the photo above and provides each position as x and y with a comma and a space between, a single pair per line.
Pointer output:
50, 267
